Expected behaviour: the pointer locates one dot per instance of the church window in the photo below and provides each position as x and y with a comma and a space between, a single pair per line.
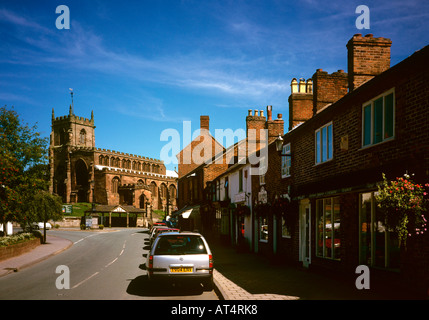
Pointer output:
82, 136
115, 185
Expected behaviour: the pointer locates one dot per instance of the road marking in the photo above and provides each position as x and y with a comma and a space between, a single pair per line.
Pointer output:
107, 265
93, 275
110, 263
84, 238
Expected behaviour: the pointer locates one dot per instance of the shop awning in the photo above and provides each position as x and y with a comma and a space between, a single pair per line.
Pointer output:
186, 211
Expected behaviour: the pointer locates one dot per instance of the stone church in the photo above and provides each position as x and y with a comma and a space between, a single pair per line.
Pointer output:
80, 172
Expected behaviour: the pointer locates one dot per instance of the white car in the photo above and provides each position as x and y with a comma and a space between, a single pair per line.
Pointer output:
181, 256
39, 225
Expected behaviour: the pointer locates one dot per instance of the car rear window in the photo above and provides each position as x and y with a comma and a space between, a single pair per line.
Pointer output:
180, 244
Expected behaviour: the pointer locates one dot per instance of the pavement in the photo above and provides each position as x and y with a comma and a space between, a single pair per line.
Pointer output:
53, 246
240, 276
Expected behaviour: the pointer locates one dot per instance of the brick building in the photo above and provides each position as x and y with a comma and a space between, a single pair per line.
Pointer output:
321, 208
229, 195
80, 172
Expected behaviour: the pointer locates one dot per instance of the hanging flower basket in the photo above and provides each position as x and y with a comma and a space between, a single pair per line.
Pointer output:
403, 204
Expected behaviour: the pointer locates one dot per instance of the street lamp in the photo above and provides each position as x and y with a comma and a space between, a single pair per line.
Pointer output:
279, 143
92, 183
279, 147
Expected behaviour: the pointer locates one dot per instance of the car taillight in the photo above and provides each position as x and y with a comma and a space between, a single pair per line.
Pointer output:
210, 261
150, 262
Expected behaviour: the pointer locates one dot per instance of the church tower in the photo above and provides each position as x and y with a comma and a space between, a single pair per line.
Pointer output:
71, 153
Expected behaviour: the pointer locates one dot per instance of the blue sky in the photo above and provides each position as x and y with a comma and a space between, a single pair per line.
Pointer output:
146, 66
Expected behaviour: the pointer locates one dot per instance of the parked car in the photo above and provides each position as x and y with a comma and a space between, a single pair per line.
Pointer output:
154, 229
158, 231
181, 256
157, 224
40, 225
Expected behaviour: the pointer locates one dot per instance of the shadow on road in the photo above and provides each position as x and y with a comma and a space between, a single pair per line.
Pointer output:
141, 286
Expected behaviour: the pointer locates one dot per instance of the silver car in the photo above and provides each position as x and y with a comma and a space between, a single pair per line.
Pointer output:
181, 256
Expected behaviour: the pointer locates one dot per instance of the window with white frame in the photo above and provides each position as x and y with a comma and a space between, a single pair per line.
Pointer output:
286, 161
240, 180
378, 117
262, 170
324, 143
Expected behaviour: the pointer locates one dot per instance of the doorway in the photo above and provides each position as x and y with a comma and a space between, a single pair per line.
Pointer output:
305, 232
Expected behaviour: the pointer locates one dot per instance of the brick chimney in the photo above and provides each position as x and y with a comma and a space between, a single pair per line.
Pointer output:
367, 57
300, 102
254, 124
204, 122
328, 88
255, 121
275, 127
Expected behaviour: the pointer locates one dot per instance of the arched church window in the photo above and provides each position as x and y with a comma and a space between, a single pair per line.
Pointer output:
82, 136
115, 185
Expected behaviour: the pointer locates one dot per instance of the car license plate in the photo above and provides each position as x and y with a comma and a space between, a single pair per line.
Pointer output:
180, 269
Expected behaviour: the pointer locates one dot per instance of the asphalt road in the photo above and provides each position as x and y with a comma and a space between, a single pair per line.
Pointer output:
101, 266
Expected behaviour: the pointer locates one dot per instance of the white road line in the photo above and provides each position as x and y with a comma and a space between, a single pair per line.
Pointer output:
107, 265
110, 263
77, 285
84, 238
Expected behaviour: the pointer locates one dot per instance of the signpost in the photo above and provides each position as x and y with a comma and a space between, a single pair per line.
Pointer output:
67, 209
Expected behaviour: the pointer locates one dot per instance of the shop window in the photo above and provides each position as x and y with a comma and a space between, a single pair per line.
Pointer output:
378, 246
285, 229
328, 228
263, 229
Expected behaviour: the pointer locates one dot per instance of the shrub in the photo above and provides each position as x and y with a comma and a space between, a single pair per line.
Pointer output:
16, 238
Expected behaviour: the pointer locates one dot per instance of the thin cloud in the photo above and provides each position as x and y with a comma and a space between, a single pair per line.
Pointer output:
83, 49
20, 21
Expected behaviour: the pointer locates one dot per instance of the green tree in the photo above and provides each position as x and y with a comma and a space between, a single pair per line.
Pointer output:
45, 206
23, 157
